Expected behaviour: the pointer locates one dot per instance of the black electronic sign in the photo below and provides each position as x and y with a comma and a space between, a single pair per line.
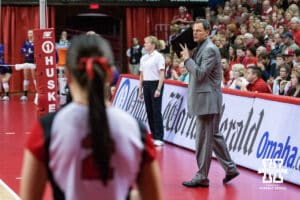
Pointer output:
108, 2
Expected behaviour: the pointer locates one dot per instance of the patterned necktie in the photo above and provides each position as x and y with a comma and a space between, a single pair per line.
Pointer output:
195, 51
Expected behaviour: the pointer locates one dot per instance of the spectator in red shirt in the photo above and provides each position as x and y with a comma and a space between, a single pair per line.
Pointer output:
275, 22
226, 70
266, 9
184, 19
247, 57
295, 29
251, 55
256, 83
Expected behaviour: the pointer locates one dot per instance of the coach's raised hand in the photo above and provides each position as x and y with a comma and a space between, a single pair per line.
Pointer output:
185, 52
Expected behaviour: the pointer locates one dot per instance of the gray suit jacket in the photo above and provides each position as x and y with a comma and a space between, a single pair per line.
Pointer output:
204, 90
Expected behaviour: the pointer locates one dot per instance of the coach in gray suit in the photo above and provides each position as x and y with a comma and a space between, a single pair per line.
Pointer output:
205, 102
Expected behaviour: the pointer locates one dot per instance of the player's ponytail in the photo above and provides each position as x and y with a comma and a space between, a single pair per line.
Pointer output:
89, 59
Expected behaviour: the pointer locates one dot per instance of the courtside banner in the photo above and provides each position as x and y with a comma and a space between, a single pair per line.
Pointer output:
278, 136
255, 126
258, 129
46, 77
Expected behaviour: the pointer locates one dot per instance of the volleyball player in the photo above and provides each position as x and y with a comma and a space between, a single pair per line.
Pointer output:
89, 149
27, 51
5, 74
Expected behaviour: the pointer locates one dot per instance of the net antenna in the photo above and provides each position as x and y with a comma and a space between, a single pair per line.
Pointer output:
43, 14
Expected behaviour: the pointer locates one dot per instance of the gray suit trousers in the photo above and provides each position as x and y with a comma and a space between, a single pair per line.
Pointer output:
208, 139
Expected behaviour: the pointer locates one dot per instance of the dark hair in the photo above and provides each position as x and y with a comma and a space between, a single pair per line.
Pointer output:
205, 24
240, 47
264, 55
230, 58
256, 70
252, 50
280, 55
297, 52
92, 47
297, 75
286, 67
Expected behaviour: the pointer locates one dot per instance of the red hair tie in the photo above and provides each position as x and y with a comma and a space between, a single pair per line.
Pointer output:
87, 62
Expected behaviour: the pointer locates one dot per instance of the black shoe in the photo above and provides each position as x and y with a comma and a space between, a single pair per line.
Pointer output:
229, 177
196, 183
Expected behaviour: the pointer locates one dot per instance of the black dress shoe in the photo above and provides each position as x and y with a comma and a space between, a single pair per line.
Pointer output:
196, 183
229, 177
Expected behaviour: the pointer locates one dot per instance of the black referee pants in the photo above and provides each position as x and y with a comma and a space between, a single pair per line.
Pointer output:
153, 109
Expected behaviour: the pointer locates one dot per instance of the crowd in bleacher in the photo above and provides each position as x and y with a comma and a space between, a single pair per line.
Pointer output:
262, 36
258, 40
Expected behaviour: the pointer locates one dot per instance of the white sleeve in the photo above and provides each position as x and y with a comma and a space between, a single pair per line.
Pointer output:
141, 64
161, 62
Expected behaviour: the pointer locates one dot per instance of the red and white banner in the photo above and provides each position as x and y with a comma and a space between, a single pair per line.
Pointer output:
46, 78
255, 126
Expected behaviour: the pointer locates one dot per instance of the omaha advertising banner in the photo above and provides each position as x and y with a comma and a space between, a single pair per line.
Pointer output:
255, 126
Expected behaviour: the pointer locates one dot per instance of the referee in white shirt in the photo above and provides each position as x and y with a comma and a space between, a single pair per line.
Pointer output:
152, 73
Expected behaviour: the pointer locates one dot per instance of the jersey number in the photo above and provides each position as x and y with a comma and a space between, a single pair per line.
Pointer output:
89, 171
